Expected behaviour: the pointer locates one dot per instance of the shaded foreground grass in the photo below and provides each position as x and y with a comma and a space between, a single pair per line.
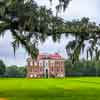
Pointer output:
50, 89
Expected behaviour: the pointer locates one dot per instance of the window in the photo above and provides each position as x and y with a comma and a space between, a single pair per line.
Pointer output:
52, 65
46, 64
35, 69
52, 69
57, 69
62, 64
57, 63
40, 69
30, 69
40, 64
61, 69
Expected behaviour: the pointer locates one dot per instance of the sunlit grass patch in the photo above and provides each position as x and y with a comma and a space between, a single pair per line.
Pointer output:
3, 99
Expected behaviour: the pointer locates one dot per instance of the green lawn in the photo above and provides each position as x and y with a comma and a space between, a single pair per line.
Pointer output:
50, 89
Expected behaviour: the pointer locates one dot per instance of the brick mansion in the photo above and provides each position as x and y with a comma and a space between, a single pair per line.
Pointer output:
46, 65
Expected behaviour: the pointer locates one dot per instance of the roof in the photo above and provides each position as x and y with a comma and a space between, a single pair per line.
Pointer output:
55, 56
50, 56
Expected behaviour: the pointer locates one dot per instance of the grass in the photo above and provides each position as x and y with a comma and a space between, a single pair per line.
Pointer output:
50, 89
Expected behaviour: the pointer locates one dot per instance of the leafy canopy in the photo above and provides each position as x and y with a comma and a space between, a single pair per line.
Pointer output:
2, 68
29, 23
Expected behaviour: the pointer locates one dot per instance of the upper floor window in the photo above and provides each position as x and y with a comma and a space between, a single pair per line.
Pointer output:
52, 69
31, 70
57, 63
62, 69
52, 65
57, 69
40, 64
40, 69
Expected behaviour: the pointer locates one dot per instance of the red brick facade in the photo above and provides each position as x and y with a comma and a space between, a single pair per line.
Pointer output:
46, 66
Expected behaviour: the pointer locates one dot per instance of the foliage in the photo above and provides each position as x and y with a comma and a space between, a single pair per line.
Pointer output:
62, 4
82, 68
29, 24
68, 68
14, 71
11, 71
22, 72
2, 68
85, 32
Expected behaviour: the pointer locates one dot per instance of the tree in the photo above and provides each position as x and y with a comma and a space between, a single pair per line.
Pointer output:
12, 71
15, 71
68, 68
27, 23
22, 72
33, 23
2, 68
82, 68
83, 31
62, 4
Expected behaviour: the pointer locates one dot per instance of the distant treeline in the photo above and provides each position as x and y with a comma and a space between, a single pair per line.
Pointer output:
82, 68
15, 71
12, 71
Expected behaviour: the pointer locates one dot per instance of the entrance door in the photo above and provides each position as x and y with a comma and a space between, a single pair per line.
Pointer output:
46, 73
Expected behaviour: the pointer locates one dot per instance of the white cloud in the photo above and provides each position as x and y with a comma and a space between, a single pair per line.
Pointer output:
76, 9
81, 8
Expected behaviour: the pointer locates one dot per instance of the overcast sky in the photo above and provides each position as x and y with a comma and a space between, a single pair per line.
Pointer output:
76, 9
